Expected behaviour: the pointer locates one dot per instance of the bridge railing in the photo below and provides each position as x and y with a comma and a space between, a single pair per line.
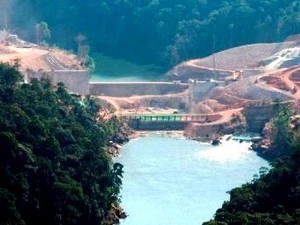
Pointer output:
172, 117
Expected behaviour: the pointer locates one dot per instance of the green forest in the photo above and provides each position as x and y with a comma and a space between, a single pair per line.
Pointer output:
273, 197
164, 32
53, 164
54, 169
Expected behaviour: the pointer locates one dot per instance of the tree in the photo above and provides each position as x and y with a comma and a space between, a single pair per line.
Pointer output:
42, 32
115, 27
284, 135
53, 166
82, 50
273, 197
8, 207
9, 75
5, 11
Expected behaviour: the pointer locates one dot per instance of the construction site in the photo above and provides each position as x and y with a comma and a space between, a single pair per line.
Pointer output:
223, 93
220, 90
37, 61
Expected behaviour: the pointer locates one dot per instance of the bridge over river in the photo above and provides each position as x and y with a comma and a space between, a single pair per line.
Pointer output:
166, 122
172, 117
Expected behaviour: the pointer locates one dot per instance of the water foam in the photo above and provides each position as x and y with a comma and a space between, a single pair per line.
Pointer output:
228, 151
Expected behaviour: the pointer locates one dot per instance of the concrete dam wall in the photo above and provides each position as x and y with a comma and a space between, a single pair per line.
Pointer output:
75, 80
127, 89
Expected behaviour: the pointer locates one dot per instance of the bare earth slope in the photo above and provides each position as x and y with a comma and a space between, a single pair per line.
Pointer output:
220, 65
247, 56
39, 58
246, 79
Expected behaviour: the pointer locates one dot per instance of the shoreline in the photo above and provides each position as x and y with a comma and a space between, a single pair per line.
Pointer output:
220, 139
174, 134
226, 141
114, 147
215, 140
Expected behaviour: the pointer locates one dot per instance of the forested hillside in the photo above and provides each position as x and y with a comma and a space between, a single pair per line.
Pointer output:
53, 166
158, 31
273, 197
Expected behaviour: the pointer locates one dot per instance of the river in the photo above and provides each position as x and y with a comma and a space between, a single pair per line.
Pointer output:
172, 181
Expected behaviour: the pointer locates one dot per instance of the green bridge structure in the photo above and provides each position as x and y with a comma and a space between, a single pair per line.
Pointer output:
163, 122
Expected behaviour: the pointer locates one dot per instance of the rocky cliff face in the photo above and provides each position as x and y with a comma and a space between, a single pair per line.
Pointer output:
208, 132
268, 148
257, 116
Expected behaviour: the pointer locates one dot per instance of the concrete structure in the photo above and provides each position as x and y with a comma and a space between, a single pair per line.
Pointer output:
198, 89
126, 89
158, 125
257, 116
251, 72
174, 117
75, 80
167, 122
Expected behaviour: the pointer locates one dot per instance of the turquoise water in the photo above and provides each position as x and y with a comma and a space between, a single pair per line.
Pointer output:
170, 181
109, 69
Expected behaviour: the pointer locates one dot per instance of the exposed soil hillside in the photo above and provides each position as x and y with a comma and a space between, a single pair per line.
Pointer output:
243, 57
36, 57
225, 103
154, 104
222, 64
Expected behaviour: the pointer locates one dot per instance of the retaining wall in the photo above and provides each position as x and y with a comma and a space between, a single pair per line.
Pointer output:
127, 89
258, 116
199, 89
157, 125
251, 72
75, 80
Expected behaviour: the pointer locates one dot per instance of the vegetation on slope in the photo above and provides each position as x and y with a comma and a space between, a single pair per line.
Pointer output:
160, 31
272, 198
53, 166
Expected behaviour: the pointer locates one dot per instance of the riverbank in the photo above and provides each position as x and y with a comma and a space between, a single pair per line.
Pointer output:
214, 138
114, 147
214, 154
174, 134
217, 139
162, 174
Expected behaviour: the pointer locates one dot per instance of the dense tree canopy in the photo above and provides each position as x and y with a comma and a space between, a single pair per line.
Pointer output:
159, 31
53, 166
272, 198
